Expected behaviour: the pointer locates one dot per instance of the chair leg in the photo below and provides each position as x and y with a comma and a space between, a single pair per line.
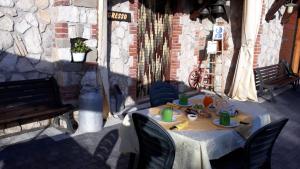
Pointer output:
271, 94
294, 84
71, 123
69, 119
56, 122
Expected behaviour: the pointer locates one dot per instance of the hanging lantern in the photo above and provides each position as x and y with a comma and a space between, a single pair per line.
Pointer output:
218, 9
290, 7
211, 9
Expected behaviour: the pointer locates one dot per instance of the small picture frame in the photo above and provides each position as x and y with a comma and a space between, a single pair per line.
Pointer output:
218, 33
212, 47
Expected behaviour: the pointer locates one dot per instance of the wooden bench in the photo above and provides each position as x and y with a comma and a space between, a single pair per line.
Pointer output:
33, 100
272, 77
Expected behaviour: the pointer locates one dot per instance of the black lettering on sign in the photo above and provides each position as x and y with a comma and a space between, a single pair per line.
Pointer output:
118, 16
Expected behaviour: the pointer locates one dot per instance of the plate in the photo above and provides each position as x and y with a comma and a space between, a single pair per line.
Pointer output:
233, 123
158, 118
176, 112
177, 102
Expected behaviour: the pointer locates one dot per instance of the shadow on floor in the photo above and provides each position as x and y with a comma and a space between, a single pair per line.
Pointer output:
86, 151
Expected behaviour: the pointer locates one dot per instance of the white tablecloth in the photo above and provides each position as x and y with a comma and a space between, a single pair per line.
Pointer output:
194, 149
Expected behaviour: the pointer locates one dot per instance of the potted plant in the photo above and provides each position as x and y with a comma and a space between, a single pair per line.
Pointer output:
79, 50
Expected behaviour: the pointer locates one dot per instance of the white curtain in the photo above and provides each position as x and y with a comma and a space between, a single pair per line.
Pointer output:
102, 54
243, 86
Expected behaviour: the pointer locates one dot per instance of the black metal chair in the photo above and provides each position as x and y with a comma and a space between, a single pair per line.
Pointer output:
162, 93
157, 148
257, 151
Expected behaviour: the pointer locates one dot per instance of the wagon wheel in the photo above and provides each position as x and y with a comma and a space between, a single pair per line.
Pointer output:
195, 79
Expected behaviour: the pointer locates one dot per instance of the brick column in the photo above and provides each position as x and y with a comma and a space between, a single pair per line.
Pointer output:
61, 3
175, 46
94, 31
61, 30
133, 49
257, 47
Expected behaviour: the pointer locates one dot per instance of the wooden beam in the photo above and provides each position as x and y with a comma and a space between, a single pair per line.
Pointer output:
102, 71
296, 55
274, 8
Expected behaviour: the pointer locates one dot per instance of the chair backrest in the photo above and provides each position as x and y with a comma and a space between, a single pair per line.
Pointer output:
161, 93
157, 148
259, 146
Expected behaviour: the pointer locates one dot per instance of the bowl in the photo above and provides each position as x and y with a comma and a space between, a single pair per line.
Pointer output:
192, 117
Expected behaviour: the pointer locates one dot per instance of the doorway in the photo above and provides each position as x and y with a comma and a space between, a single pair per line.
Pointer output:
154, 43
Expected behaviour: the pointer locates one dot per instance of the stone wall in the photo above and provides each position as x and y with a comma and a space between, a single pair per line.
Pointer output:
35, 39
25, 40
80, 20
188, 38
271, 36
35, 43
194, 37
119, 39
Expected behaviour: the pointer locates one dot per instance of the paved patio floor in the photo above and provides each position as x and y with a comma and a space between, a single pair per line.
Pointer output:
286, 151
100, 150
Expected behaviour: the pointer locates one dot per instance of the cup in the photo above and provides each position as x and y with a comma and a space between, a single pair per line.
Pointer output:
167, 115
192, 117
183, 99
224, 118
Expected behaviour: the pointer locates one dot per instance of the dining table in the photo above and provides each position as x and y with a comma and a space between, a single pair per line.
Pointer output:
201, 140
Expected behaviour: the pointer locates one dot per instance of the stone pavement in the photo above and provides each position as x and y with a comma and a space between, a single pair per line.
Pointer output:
87, 151
100, 150
286, 151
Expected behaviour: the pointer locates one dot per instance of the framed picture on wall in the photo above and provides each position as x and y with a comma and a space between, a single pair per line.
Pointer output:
218, 32
212, 47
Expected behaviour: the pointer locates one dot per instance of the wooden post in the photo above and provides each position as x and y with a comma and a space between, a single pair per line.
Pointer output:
296, 55
102, 72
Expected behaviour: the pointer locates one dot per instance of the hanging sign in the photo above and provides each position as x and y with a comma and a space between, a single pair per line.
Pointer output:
212, 47
218, 32
119, 16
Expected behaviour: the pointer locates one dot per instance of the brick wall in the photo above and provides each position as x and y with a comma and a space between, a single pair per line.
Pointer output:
61, 2
81, 21
61, 30
175, 46
94, 31
133, 48
257, 47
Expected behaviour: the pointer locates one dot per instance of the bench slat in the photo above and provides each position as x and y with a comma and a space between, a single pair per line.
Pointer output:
27, 100
38, 98
19, 115
25, 91
271, 77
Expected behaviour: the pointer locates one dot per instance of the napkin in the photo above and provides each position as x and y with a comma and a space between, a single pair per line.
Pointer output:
181, 126
174, 106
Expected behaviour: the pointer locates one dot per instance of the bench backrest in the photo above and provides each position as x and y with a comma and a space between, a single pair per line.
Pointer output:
29, 93
269, 73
